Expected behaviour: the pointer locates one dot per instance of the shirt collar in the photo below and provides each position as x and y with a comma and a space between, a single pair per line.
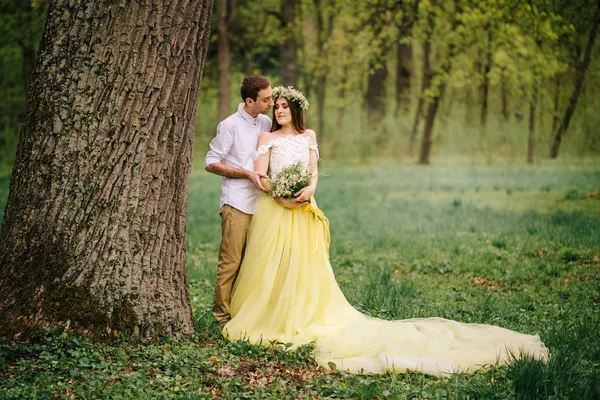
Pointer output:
245, 115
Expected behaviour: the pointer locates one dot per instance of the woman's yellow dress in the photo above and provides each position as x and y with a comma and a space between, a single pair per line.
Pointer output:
286, 292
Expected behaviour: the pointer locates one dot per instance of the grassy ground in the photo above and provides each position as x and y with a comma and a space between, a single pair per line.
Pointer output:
513, 246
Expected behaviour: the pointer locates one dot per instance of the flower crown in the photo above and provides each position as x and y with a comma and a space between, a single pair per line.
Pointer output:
291, 94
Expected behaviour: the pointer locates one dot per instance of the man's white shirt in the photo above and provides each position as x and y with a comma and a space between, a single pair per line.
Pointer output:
234, 144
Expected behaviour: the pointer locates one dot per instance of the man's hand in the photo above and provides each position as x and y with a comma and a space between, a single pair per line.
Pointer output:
254, 177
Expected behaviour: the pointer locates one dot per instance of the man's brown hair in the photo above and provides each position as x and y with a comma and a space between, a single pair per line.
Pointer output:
251, 85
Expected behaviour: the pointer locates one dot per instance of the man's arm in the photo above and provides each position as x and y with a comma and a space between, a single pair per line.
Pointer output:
229, 172
219, 147
238, 173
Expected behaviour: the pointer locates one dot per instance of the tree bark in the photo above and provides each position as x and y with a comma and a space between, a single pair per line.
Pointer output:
225, 17
579, 78
404, 67
289, 48
94, 230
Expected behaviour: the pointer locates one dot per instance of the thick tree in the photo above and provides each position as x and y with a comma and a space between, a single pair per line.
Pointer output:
94, 229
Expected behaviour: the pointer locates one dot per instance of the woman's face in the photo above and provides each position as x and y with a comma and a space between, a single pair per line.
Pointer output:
283, 114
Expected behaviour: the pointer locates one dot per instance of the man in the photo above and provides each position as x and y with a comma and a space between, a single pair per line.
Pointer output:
230, 155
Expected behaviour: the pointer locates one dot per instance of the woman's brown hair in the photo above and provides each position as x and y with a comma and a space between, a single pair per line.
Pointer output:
297, 117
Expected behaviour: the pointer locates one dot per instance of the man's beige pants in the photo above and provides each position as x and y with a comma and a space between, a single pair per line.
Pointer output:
234, 225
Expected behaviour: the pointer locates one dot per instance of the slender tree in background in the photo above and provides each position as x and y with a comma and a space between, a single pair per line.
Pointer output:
289, 47
504, 93
485, 75
255, 38
440, 80
383, 25
324, 20
556, 101
579, 78
21, 24
404, 56
225, 19
531, 135
425, 84
94, 229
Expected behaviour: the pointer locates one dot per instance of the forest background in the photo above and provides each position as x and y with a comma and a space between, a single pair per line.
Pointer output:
484, 81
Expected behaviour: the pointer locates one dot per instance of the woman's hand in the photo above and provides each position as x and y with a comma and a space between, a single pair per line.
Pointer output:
303, 195
266, 182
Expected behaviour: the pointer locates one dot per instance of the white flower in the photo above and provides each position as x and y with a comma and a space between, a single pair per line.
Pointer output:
291, 94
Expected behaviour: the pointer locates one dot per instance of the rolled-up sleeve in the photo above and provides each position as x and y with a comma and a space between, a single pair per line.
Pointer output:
220, 146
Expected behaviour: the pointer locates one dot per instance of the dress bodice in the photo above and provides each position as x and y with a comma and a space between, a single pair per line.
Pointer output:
287, 150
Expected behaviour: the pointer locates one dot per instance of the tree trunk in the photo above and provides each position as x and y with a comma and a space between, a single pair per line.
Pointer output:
485, 83
94, 231
224, 21
432, 109
579, 78
342, 97
28, 54
27, 45
376, 95
248, 58
324, 29
556, 112
404, 67
427, 74
443, 71
531, 137
289, 67
504, 96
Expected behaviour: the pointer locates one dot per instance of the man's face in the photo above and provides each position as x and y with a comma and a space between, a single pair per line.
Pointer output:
264, 101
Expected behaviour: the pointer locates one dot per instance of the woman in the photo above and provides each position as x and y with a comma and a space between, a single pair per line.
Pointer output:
286, 291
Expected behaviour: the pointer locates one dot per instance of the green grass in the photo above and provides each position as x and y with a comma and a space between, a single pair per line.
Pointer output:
510, 245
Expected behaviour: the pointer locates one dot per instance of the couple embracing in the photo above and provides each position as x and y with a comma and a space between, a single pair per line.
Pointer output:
274, 280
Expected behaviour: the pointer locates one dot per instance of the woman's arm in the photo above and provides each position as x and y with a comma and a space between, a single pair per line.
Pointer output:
306, 193
262, 157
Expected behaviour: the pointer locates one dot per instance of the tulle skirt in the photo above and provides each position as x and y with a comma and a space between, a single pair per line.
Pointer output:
286, 293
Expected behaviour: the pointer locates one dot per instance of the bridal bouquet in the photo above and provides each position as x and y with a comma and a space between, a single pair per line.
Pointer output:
290, 180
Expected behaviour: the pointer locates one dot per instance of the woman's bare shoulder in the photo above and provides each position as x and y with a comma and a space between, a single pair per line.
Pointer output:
311, 135
265, 137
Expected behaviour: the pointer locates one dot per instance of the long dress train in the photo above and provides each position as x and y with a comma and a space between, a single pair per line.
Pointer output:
286, 292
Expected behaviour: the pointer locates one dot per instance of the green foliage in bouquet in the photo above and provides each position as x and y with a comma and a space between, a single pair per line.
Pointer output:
290, 180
